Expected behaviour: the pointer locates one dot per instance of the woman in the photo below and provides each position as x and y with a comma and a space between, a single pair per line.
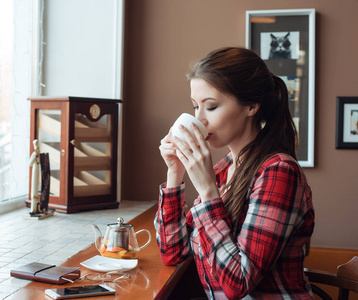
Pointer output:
249, 227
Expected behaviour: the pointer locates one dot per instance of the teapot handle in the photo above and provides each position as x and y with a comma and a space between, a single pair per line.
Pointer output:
98, 236
150, 238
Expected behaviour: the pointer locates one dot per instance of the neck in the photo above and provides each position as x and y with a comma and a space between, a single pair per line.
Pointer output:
237, 147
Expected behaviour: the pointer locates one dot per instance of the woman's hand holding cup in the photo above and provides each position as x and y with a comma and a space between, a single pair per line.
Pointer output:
186, 120
189, 137
168, 147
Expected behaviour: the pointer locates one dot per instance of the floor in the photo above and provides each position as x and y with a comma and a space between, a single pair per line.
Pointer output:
52, 240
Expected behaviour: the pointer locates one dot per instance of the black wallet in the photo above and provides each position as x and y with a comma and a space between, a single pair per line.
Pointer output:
47, 273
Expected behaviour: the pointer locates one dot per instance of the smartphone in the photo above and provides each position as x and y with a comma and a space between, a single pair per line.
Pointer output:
80, 291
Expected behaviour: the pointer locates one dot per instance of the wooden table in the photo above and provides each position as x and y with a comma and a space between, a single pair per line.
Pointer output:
151, 279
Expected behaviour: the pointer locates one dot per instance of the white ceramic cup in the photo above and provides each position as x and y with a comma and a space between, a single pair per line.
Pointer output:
185, 120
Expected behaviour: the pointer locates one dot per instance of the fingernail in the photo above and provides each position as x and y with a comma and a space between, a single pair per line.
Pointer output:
181, 126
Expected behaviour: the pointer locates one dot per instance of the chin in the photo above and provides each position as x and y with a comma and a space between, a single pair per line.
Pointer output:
216, 146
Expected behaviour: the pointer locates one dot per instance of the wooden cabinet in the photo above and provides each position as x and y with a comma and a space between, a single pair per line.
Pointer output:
81, 137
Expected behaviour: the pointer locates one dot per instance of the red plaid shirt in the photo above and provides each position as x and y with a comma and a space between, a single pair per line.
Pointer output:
265, 260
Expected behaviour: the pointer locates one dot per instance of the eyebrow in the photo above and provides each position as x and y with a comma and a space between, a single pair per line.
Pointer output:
205, 99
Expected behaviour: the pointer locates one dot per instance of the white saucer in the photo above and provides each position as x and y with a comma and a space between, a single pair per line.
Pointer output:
106, 264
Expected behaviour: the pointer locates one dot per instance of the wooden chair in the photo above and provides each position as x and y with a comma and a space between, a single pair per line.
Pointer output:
346, 280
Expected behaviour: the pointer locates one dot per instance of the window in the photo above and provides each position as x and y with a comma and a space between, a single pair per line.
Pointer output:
6, 47
38, 34
15, 86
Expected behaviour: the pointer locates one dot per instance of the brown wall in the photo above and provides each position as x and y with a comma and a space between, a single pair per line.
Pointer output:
163, 37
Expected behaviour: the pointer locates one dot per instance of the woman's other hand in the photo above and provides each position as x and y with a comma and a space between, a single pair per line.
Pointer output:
176, 169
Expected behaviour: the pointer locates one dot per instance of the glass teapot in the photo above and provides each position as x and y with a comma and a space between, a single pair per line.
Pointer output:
119, 241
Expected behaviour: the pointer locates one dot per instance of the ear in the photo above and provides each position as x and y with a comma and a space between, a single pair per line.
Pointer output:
253, 109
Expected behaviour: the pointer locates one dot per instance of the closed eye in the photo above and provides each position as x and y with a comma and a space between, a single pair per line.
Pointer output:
208, 108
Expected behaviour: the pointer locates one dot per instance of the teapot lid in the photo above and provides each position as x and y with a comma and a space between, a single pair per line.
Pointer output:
120, 224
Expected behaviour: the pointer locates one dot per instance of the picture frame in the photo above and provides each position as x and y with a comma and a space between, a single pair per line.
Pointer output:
347, 123
285, 40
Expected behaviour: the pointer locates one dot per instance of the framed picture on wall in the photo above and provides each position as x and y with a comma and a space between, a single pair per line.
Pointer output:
285, 40
347, 123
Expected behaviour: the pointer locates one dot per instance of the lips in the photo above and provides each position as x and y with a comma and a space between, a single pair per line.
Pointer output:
208, 137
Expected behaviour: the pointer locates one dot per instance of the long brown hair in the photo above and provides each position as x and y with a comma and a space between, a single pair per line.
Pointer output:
241, 73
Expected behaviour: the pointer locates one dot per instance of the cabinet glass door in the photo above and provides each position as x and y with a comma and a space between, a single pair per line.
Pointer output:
92, 156
49, 139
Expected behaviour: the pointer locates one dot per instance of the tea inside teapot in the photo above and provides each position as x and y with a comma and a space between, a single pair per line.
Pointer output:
119, 240
117, 252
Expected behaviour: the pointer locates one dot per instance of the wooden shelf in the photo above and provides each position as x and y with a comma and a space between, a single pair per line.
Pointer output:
86, 158
96, 135
50, 123
85, 184
86, 131
89, 158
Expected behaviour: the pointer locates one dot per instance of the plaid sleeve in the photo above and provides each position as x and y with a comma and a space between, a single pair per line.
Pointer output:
275, 210
170, 225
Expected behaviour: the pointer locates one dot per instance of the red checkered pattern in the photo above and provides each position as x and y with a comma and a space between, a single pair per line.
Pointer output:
265, 260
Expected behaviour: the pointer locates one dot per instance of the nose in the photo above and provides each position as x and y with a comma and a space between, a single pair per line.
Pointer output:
200, 116
204, 121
